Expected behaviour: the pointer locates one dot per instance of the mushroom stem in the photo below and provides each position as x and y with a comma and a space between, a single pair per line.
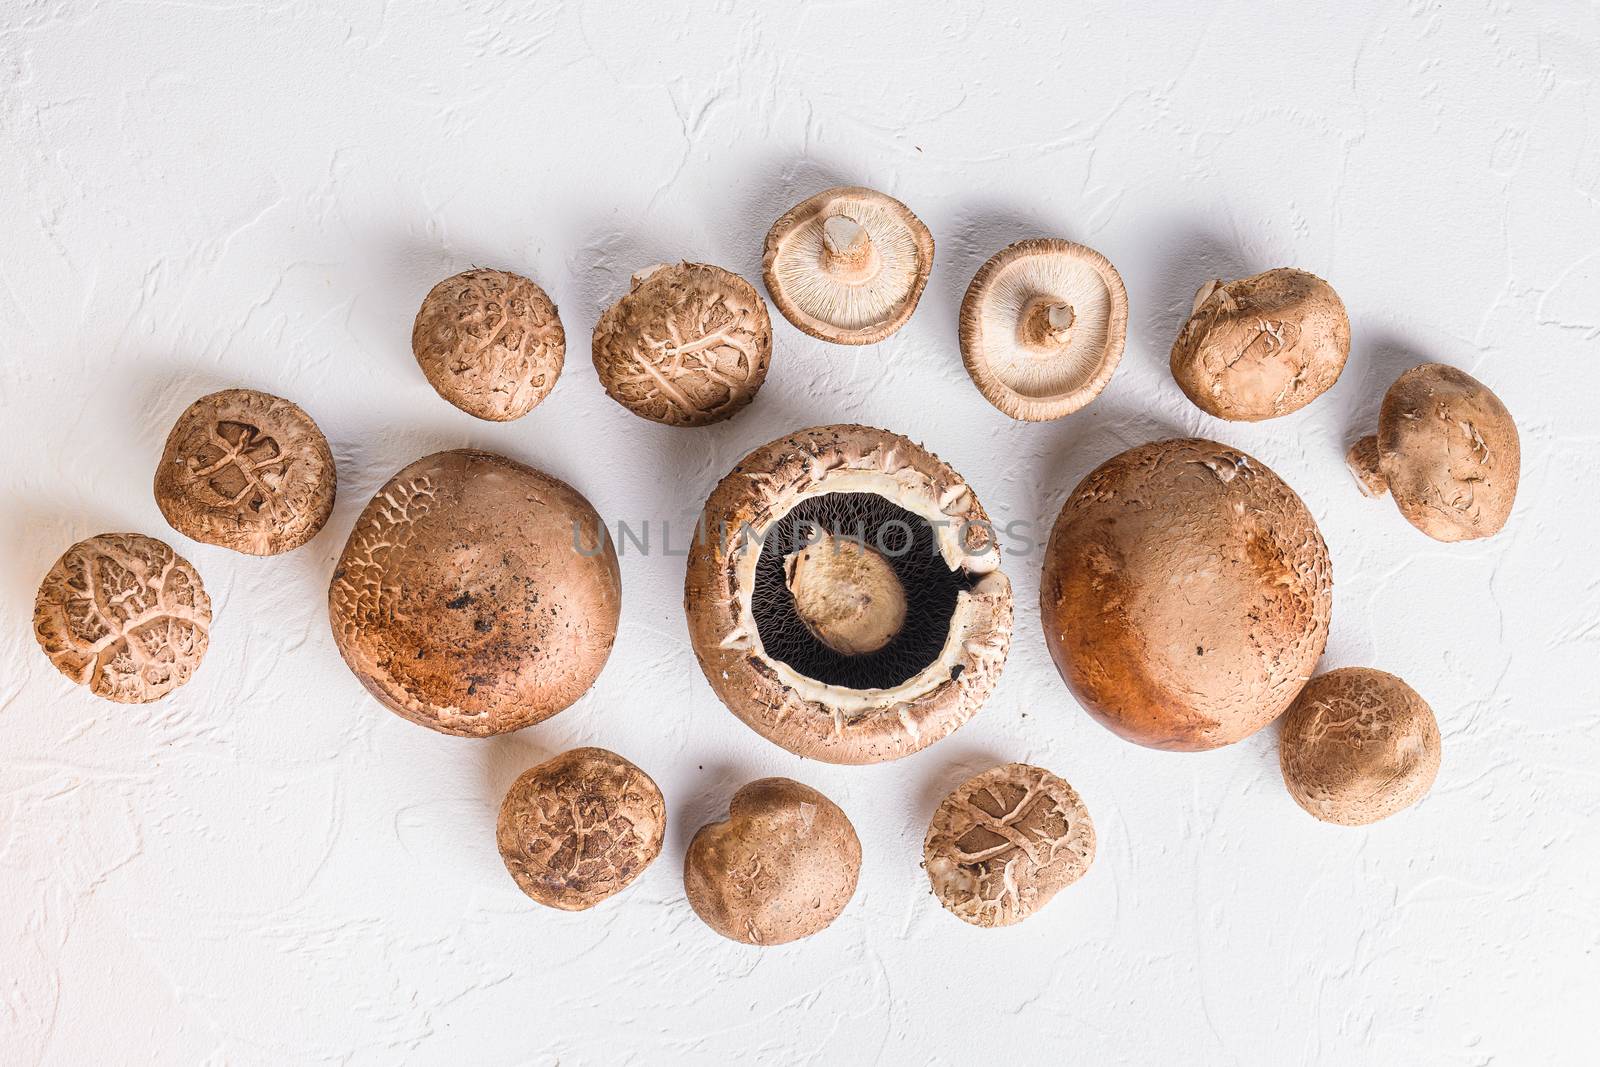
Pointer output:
1046, 323
1204, 293
1363, 460
847, 249
847, 595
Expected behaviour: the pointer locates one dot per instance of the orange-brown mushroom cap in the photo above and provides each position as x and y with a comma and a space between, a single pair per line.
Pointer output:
848, 265
1043, 326
1186, 594
476, 595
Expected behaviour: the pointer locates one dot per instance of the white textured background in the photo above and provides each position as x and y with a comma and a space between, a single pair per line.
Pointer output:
268, 867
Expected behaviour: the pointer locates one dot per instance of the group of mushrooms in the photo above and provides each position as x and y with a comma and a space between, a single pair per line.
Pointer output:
844, 596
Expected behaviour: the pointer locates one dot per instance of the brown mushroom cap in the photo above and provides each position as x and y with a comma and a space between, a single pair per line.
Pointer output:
1358, 745
124, 615
780, 867
490, 342
248, 471
688, 345
1186, 594
476, 595
763, 657
848, 265
1005, 842
1448, 451
1043, 327
1263, 346
580, 827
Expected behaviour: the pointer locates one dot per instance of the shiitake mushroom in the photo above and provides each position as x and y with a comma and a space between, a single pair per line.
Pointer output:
490, 342
845, 597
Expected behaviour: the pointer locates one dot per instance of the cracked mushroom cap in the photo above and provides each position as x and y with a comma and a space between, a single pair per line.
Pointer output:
476, 595
780, 867
1043, 327
1186, 594
688, 345
1358, 745
247, 471
1447, 450
845, 597
1261, 346
490, 342
1005, 842
124, 615
580, 827
848, 265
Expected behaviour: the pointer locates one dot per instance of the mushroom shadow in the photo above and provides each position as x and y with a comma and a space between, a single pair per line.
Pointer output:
1379, 357
774, 189
1192, 257
718, 781
957, 767
502, 759
1085, 440
38, 533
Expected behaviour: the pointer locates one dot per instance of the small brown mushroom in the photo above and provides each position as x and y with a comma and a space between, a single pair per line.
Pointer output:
688, 345
1358, 745
124, 615
1186, 594
476, 595
848, 265
1043, 326
580, 827
1005, 842
248, 471
780, 867
490, 342
1261, 346
845, 597
1447, 450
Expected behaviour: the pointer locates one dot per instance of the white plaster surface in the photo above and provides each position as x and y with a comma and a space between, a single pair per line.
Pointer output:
268, 867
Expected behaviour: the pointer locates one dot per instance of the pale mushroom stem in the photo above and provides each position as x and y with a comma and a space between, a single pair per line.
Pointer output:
639, 276
1046, 323
847, 249
1363, 462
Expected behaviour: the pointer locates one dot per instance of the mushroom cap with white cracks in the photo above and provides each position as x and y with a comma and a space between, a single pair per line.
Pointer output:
580, 827
1005, 842
848, 265
687, 345
794, 644
1358, 745
1447, 450
125, 615
1043, 327
247, 471
1186, 594
781, 866
476, 595
490, 342
1263, 346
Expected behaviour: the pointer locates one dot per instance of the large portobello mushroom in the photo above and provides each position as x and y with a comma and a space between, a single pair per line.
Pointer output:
844, 595
476, 595
1186, 594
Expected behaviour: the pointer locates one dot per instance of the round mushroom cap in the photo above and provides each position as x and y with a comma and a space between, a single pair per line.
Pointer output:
1186, 594
848, 265
780, 867
1005, 842
1263, 346
124, 615
580, 827
490, 342
688, 345
1043, 327
1358, 745
795, 645
247, 471
476, 595
1448, 450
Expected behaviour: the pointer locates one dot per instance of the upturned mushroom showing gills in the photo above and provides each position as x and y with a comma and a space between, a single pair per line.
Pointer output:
476, 595
1263, 346
1186, 594
845, 597
1043, 327
1447, 450
848, 265
1358, 745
